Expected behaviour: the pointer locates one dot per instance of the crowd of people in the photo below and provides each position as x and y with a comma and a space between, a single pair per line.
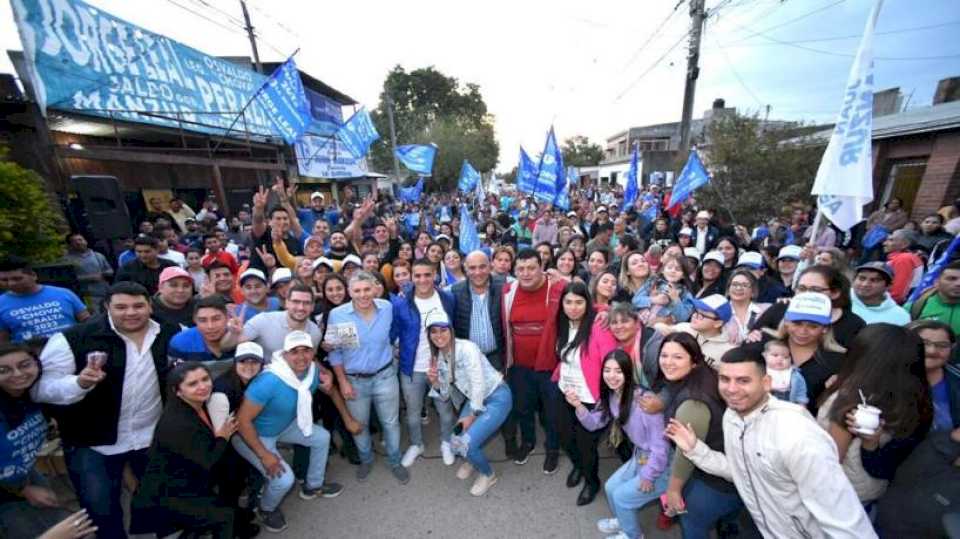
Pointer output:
771, 379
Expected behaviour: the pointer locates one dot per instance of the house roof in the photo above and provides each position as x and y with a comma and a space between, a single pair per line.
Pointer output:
942, 117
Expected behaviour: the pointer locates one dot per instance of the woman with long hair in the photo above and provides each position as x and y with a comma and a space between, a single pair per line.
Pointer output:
884, 368
502, 263
597, 261
578, 244
641, 479
635, 277
582, 342
690, 396
729, 250
944, 379
459, 364
603, 289
567, 267
669, 298
742, 290
177, 492
423, 242
405, 252
453, 268
642, 344
545, 250
711, 275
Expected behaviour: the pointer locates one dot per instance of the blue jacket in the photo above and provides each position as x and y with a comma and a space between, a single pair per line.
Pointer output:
406, 324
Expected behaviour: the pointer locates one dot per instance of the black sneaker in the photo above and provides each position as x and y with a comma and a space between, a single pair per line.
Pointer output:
510, 448
273, 521
551, 463
522, 454
401, 474
327, 490
363, 471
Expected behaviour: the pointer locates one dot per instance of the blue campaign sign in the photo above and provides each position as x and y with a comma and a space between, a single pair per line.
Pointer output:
327, 157
469, 239
327, 113
571, 180
469, 177
84, 60
526, 173
550, 172
283, 98
692, 177
417, 157
631, 191
358, 133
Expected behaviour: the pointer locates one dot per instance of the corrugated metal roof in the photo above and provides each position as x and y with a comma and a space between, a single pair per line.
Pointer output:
942, 117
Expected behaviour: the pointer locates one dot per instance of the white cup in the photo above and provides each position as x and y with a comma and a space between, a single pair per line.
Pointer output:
867, 419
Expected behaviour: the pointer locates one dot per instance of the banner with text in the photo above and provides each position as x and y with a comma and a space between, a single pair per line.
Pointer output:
327, 157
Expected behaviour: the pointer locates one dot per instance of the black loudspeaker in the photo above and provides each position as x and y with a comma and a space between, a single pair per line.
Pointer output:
103, 205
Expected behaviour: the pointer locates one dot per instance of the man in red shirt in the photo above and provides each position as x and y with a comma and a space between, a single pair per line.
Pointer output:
907, 267
529, 317
215, 252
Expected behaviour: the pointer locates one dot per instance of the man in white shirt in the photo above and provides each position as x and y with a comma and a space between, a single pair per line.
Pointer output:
105, 377
784, 465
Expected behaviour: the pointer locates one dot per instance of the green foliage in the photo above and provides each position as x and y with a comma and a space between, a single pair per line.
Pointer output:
756, 171
432, 107
30, 225
578, 151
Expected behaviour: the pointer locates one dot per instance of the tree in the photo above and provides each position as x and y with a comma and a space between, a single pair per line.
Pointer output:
757, 168
578, 151
30, 225
432, 107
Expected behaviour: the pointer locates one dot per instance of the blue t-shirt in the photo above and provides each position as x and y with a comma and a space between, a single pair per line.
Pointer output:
279, 402
942, 420
49, 311
188, 345
19, 447
273, 304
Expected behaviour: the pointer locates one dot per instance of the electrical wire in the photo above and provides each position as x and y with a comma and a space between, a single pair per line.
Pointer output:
235, 29
840, 38
653, 35
737, 74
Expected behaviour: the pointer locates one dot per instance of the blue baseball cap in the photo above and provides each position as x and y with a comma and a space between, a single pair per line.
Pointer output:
810, 307
716, 305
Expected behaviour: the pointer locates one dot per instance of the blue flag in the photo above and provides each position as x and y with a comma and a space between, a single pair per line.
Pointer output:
933, 273
469, 177
412, 194
631, 191
358, 133
418, 157
651, 212
469, 240
692, 177
571, 179
526, 173
285, 102
550, 172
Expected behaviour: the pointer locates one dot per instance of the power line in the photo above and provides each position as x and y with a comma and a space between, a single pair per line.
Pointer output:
653, 35
210, 6
237, 30
737, 75
840, 38
793, 20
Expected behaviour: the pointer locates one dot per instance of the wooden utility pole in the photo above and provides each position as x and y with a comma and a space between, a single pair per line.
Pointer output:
698, 16
393, 137
253, 38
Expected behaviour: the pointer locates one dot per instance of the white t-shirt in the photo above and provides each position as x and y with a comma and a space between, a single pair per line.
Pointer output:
571, 374
174, 256
422, 362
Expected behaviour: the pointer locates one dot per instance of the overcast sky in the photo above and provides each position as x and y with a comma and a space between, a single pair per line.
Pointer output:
588, 68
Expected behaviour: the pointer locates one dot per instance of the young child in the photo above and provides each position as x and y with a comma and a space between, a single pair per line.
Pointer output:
788, 383
706, 324
669, 297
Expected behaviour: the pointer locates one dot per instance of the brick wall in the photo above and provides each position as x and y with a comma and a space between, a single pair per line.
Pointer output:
941, 180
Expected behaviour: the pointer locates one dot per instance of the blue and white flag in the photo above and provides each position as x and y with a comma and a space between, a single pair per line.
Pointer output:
358, 133
469, 177
469, 240
571, 180
418, 157
845, 178
650, 214
412, 194
480, 193
632, 190
526, 173
283, 98
550, 171
692, 177
932, 274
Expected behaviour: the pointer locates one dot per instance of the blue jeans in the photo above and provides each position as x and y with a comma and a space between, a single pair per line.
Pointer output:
625, 497
705, 506
498, 406
383, 391
532, 391
98, 480
414, 388
277, 487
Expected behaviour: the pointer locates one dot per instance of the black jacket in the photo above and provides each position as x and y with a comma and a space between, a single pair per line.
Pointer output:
149, 277
93, 420
463, 307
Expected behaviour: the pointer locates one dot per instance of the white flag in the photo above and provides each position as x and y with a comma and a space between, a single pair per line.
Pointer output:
845, 178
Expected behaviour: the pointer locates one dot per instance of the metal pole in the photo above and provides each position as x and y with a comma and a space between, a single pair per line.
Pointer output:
250, 34
698, 15
393, 137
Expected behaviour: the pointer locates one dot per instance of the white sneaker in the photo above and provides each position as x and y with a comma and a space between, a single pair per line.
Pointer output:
621, 535
608, 525
464, 470
411, 456
483, 484
447, 452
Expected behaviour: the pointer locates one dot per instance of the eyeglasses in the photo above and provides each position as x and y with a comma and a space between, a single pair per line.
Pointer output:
701, 315
741, 286
817, 289
939, 345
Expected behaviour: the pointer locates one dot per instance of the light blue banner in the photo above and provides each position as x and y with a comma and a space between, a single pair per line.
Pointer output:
692, 177
418, 157
550, 172
631, 191
563, 197
469, 177
526, 173
327, 114
82, 59
469, 239
412, 194
358, 133
283, 98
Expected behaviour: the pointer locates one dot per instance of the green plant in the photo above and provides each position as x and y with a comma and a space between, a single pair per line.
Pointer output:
30, 225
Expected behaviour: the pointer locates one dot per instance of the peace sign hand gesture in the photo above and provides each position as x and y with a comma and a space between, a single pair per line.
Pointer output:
260, 198
268, 259
235, 321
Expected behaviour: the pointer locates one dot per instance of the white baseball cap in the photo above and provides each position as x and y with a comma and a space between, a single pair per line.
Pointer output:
248, 349
752, 259
281, 275
692, 252
316, 194
296, 339
351, 259
685, 231
436, 317
713, 256
252, 272
790, 252
809, 307
323, 261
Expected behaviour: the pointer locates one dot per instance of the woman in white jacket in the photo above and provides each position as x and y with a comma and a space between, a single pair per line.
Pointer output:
459, 371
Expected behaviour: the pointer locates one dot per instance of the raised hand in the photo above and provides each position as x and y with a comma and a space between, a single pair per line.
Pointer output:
260, 197
268, 259
682, 435
235, 320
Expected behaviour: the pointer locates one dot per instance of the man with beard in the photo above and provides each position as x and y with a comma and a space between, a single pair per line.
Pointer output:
105, 376
174, 302
339, 246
